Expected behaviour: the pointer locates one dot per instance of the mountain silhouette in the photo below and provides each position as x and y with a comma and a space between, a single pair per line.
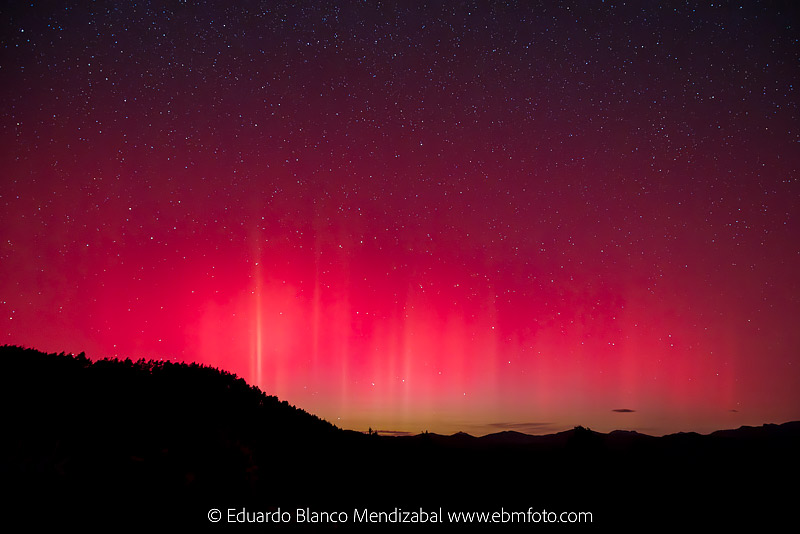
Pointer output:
162, 443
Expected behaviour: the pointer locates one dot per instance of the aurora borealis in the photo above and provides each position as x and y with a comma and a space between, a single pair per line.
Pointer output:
411, 216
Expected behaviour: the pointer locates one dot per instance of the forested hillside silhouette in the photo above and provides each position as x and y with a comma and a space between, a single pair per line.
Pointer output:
162, 442
153, 430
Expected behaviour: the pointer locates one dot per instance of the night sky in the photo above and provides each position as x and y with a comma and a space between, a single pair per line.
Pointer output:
415, 216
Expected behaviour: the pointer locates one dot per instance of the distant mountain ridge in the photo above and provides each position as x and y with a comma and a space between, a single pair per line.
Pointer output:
513, 437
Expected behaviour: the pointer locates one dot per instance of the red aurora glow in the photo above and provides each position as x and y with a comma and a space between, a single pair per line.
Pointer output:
415, 218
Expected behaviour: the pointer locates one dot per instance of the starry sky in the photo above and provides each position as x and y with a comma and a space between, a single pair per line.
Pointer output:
409, 216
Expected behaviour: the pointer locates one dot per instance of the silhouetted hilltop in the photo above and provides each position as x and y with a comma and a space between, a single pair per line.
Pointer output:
149, 429
184, 438
148, 386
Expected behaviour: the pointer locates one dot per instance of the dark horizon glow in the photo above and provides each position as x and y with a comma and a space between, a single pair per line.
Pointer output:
457, 218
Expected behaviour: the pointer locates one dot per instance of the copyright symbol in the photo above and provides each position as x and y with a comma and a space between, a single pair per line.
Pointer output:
214, 515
